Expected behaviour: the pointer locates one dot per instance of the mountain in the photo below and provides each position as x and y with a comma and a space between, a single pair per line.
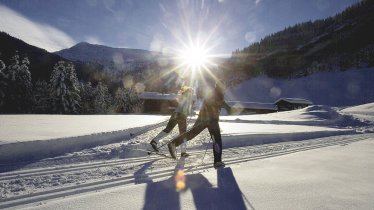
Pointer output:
128, 66
341, 42
41, 61
149, 69
118, 59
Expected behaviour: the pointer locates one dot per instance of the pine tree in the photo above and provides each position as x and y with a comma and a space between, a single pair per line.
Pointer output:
127, 100
102, 99
3, 82
42, 99
87, 93
18, 92
64, 88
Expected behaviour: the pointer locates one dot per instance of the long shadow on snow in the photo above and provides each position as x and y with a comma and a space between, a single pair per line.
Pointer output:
163, 195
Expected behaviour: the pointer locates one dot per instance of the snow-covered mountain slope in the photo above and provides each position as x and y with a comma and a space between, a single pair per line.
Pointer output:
346, 88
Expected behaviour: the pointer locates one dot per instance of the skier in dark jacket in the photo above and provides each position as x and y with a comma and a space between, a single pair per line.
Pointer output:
208, 118
179, 117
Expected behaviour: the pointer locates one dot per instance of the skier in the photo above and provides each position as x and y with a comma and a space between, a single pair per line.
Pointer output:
179, 117
208, 118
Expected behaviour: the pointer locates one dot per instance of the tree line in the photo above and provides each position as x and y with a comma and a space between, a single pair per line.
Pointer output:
62, 94
344, 41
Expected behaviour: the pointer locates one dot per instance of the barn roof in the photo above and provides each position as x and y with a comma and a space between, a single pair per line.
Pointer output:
295, 101
251, 105
158, 96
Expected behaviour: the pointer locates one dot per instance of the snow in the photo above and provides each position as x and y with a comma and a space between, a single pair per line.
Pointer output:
295, 100
16, 128
158, 96
50, 135
25, 137
339, 177
348, 88
251, 105
367, 109
315, 157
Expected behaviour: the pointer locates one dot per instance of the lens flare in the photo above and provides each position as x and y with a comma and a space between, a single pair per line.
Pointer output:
180, 181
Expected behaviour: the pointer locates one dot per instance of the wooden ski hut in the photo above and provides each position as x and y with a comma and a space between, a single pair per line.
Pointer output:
240, 107
154, 102
286, 104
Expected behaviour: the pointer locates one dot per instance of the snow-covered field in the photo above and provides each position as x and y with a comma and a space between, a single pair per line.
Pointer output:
285, 160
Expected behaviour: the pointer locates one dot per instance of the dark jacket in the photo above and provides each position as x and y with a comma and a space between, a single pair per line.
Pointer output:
211, 106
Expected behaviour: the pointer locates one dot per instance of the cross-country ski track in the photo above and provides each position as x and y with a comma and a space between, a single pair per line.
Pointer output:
161, 170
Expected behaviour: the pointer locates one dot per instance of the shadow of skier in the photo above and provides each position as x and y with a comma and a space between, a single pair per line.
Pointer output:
226, 195
161, 195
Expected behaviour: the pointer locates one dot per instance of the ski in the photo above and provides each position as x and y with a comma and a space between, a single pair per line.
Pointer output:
151, 152
160, 154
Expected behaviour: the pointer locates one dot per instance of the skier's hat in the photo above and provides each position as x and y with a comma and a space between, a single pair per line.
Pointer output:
185, 90
220, 84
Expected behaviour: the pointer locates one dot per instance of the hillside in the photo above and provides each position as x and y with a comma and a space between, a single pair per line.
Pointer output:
128, 65
340, 42
117, 59
94, 63
346, 88
41, 61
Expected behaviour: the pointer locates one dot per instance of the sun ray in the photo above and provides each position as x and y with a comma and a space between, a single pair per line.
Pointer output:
192, 56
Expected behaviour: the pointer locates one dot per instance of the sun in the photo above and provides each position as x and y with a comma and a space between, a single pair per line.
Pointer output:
195, 63
195, 57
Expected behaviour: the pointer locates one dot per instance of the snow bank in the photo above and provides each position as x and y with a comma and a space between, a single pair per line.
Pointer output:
21, 128
367, 109
315, 115
364, 113
33, 137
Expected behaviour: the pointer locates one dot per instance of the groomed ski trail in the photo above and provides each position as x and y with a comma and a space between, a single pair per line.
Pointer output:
156, 168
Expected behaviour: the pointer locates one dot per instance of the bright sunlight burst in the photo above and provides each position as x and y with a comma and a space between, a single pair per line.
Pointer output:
195, 57
195, 62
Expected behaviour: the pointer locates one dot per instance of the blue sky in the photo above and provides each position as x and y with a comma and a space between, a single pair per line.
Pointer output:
160, 25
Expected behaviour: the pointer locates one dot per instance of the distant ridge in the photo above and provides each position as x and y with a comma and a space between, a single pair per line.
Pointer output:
117, 59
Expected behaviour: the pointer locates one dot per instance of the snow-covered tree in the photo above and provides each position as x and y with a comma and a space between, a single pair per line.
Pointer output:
87, 93
102, 99
64, 88
3, 82
95, 99
18, 96
42, 99
127, 100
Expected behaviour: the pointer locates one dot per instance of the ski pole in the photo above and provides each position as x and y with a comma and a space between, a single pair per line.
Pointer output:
206, 147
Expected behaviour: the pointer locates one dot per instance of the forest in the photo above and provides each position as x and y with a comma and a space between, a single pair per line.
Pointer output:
63, 93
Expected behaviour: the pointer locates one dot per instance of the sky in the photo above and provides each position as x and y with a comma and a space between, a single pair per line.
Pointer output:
220, 26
